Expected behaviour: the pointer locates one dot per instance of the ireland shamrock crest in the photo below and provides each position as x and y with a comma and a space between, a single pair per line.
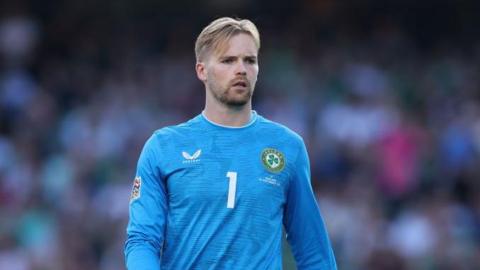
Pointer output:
273, 160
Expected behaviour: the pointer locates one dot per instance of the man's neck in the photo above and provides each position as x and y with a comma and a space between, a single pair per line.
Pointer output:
232, 117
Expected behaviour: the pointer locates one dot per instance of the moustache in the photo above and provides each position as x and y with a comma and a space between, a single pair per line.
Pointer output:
240, 82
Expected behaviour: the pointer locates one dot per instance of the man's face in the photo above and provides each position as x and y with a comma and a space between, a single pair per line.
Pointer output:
230, 73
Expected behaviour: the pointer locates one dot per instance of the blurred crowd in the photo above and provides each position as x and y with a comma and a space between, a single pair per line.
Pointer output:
392, 126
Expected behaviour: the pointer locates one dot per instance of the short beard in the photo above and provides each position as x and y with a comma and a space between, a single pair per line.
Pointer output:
224, 99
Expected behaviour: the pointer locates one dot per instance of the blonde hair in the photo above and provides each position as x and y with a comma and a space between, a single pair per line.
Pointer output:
214, 35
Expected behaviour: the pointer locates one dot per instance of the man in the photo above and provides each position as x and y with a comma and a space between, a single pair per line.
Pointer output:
213, 193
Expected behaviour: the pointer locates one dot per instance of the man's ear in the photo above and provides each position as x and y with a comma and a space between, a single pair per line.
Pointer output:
201, 69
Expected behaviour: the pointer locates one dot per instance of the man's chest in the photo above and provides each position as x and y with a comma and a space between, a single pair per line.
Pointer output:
227, 175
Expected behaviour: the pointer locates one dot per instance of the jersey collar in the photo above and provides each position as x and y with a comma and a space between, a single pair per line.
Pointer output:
253, 118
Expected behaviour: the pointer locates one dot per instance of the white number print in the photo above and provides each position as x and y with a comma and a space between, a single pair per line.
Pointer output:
232, 188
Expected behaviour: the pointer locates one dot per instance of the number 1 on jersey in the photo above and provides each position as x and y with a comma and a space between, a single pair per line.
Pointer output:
232, 188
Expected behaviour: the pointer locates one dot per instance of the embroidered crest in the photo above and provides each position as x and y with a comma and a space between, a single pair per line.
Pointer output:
273, 160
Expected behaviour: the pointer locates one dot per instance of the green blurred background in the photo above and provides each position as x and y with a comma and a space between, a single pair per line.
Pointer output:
385, 93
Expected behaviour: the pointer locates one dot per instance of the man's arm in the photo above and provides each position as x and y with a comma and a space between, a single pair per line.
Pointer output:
148, 211
303, 223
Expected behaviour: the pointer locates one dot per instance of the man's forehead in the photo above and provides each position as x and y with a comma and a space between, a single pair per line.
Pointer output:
226, 48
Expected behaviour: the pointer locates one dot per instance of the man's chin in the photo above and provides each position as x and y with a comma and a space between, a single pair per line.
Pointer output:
236, 103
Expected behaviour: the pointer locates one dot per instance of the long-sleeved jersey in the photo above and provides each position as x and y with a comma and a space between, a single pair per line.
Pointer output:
207, 196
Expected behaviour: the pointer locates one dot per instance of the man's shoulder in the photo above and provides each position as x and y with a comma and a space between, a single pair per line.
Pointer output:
169, 137
180, 129
279, 130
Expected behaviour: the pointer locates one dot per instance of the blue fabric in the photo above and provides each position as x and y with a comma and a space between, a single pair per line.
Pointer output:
180, 219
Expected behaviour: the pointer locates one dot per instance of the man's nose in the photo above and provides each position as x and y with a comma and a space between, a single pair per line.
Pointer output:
240, 68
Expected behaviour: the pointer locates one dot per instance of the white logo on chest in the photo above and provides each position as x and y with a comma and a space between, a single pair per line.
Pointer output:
191, 158
269, 180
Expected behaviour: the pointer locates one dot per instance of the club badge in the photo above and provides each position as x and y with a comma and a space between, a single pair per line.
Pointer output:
273, 160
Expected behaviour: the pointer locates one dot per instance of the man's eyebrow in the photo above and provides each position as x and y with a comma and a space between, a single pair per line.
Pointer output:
232, 57
228, 56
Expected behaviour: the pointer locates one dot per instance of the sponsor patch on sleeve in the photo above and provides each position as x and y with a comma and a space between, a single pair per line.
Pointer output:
137, 184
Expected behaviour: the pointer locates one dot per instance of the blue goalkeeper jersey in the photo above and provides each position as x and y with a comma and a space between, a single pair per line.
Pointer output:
207, 196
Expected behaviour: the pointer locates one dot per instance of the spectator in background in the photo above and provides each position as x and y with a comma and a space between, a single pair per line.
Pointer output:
105, 76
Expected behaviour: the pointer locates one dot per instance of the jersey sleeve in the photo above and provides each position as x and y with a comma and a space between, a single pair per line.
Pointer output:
306, 232
147, 212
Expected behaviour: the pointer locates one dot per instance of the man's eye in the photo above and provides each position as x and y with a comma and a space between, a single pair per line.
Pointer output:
227, 61
251, 61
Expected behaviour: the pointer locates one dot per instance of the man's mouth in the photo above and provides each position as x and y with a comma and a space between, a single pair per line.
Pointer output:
240, 84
